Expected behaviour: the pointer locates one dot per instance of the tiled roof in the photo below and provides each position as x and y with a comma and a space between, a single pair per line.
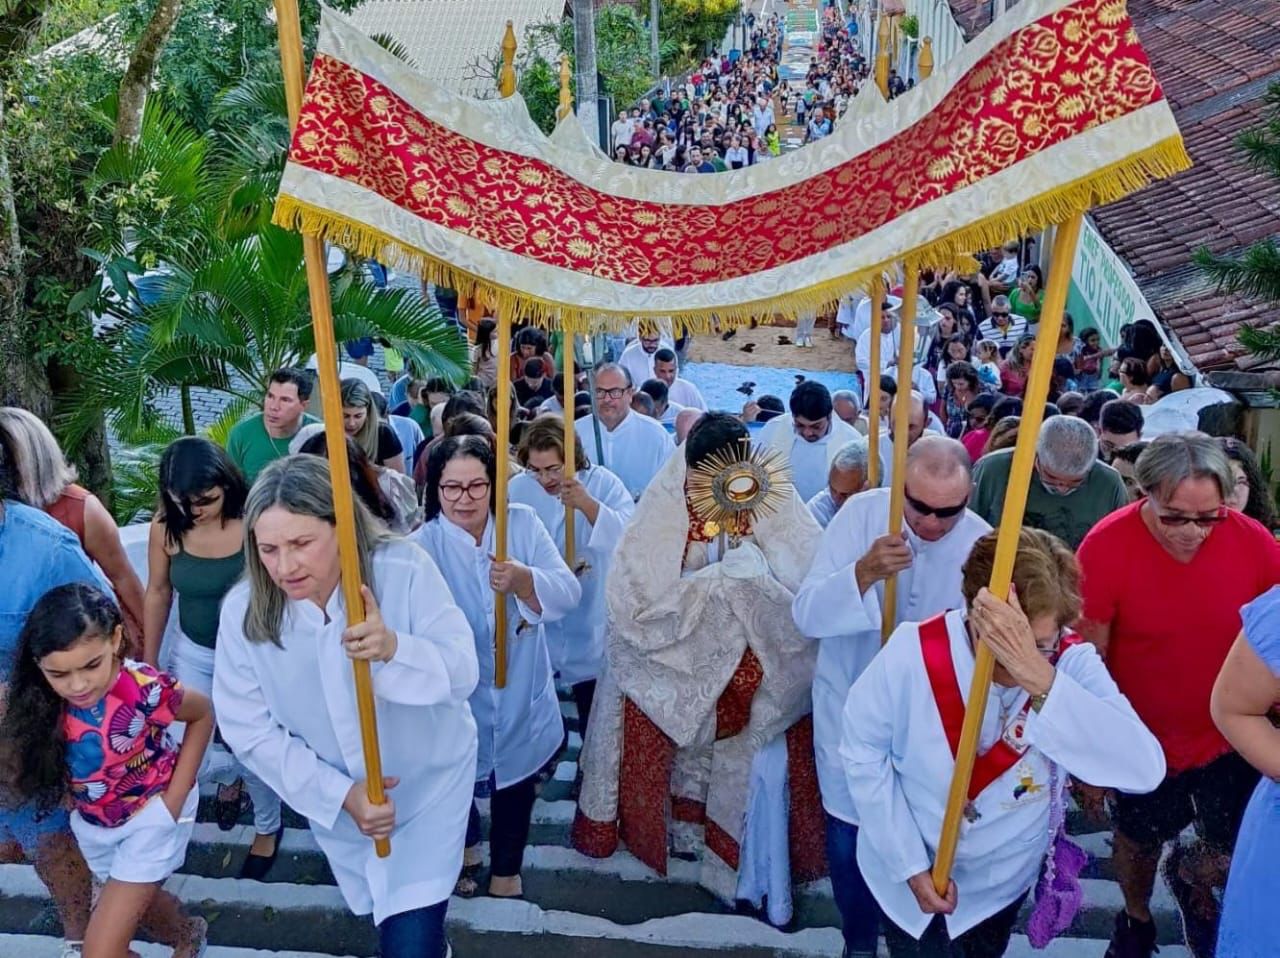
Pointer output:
444, 38
1214, 60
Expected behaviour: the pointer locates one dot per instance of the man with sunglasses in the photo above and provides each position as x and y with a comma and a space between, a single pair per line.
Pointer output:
839, 605
630, 445
1164, 581
1071, 489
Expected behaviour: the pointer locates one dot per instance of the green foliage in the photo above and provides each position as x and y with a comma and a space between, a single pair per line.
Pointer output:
1256, 271
230, 302
692, 28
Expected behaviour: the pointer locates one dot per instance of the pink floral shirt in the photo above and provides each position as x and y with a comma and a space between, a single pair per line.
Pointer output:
119, 752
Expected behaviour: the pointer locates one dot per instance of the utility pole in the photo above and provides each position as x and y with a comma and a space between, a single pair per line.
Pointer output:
584, 59
655, 8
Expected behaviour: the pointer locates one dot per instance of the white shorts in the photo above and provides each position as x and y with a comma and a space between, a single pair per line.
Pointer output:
146, 849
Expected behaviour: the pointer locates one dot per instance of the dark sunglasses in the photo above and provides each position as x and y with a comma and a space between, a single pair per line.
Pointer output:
999, 315
1204, 522
942, 512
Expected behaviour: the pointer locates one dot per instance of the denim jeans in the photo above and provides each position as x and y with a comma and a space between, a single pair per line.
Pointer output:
859, 913
415, 934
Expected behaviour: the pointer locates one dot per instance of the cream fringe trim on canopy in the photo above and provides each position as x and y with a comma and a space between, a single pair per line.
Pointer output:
1097, 188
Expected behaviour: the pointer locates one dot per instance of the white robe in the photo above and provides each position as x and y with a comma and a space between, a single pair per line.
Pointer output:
922, 381
634, 451
823, 508
932, 424
686, 394
810, 461
639, 363
898, 765
520, 726
288, 711
846, 625
576, 642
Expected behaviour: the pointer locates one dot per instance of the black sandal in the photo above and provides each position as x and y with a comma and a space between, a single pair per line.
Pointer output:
257, 866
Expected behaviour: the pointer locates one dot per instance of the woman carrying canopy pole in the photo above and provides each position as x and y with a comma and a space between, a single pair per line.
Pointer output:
1054, 711
286, 706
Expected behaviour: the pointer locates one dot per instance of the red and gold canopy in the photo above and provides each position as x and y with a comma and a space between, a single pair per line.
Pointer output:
1052, 110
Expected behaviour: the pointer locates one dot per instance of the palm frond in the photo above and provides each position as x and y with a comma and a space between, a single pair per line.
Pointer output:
1256, 272
394, 47
236, 410
413, 326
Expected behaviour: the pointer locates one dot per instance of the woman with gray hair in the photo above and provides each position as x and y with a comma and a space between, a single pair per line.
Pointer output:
1164, 581
286, 702
45, 480
362, 423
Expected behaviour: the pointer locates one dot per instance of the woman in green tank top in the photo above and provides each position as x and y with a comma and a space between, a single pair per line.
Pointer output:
196, 551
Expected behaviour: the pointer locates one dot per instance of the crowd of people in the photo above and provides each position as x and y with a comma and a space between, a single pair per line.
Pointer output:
726, 115
735, 703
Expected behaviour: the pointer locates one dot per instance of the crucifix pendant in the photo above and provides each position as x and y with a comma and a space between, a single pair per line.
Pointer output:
971, 812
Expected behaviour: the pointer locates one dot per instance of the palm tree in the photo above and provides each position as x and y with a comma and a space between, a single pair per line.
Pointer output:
226, 300
1256, 272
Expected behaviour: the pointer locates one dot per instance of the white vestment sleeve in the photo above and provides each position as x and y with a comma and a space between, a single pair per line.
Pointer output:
435, 663
616, 508
557, 588
311, 786
866, 746
1089, 728
828, 603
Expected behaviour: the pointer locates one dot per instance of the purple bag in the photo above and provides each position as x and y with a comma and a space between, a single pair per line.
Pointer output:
1058, 893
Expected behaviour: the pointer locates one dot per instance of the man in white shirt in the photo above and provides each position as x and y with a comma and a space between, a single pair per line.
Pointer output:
622, 130
846, 477
631, 446
679, 391
762, 116
637, 359
839, 604
890, 343
809, 438
664, 410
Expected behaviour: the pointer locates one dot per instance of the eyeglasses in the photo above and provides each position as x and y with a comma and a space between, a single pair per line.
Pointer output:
1051, 651
616, 393
475, 491
926, 510
999, 315
1201, 522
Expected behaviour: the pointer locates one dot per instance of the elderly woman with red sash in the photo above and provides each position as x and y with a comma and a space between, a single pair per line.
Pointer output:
1053, 712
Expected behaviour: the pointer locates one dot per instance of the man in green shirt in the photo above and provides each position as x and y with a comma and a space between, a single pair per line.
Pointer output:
1070, 488
264, 437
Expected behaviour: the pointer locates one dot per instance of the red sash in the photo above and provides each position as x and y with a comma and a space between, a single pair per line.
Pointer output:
935, 646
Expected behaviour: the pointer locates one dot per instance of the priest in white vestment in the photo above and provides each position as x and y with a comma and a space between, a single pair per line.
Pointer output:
840, 605
631, 446
706, 688
809, 438
602, 508
1054, 712
638, 357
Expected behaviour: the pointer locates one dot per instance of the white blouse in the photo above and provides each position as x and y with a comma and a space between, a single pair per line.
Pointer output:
288, 711
520, 725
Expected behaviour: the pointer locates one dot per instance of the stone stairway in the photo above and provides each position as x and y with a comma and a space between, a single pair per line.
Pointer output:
574, 906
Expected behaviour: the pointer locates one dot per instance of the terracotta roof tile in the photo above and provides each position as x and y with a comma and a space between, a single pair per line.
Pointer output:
1213, 59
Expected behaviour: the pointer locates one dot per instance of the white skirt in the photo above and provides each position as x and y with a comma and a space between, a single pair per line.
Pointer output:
146, 849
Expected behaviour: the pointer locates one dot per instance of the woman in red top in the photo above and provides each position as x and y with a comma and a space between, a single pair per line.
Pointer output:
1164, 580
1017, 366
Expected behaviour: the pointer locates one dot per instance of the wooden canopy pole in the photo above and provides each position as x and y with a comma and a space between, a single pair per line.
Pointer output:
502, 405
901, 428
1015, 502
873, 387
289, 28
566, 348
